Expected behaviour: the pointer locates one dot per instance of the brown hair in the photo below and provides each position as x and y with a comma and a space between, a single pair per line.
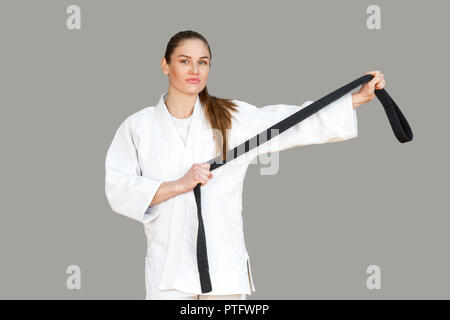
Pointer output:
217, 110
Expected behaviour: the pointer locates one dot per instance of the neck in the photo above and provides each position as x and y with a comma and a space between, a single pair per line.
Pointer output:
179, 104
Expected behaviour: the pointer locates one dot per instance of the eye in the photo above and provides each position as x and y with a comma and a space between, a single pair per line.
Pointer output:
183, 61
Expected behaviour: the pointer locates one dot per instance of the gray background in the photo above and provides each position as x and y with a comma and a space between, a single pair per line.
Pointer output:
313, 228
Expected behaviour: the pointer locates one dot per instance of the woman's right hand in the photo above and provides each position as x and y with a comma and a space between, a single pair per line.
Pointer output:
198, 173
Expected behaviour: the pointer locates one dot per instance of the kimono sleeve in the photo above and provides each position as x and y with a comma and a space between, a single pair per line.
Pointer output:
335, 122
127, 191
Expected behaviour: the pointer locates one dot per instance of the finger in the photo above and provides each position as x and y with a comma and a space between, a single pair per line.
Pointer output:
206, 165
203, 168
203, 179
371, 84
380, 85
205, 171
374, 73
381, 81
202, 171
377, 78
207, 175
199, 174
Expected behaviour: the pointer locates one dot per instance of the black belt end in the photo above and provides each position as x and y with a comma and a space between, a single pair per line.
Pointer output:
205, 281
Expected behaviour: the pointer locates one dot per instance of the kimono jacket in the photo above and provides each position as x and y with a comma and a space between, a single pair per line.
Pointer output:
147, 150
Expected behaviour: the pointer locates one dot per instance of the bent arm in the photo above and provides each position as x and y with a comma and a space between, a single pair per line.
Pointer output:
128, 192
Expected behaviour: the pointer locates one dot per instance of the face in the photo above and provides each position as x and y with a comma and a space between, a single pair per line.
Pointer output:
189, 60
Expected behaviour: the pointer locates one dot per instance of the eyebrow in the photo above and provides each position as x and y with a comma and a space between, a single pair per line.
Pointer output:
182, 55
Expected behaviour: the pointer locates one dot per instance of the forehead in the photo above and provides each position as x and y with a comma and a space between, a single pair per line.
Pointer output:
193, 48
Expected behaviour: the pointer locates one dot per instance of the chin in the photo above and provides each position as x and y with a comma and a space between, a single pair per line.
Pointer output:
193, 90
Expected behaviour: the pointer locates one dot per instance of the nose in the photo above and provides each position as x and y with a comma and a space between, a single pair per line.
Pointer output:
194, 69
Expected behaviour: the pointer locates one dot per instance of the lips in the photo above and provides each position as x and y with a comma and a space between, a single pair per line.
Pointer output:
193, 80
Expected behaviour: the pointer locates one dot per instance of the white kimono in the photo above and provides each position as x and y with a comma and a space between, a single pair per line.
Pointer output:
147, 150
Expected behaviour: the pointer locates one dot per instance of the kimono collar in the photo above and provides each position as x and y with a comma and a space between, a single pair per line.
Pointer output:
197, 131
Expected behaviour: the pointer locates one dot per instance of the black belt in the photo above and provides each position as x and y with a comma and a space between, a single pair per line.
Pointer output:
398, 123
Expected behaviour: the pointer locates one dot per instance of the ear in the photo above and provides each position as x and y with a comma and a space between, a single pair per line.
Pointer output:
164, 66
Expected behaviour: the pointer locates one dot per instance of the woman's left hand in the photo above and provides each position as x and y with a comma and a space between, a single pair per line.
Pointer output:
367, 91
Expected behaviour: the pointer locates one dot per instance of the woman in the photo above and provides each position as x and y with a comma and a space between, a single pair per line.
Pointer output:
158, 155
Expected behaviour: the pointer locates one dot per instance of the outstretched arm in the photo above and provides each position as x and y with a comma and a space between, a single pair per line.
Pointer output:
335, 122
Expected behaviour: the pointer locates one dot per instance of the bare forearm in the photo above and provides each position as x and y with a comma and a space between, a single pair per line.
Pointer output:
166, 191
198, 174
357, 100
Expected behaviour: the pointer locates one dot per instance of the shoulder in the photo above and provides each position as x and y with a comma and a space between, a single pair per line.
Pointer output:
243, 104
244, 109
137, 120
245, 118
144, 114
140, 118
